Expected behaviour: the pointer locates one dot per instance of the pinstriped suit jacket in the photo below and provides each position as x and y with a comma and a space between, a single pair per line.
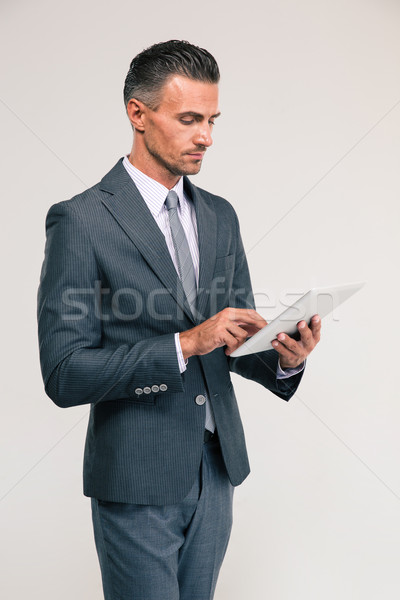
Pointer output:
109, 303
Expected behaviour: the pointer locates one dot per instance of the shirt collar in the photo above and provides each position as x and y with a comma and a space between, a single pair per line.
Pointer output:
153, 193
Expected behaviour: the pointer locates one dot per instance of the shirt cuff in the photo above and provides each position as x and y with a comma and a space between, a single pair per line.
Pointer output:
285, 373
181, 361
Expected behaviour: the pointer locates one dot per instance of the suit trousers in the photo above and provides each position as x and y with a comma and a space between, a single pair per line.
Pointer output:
171, 552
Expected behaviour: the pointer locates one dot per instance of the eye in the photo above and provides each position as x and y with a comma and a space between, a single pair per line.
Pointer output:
187, 122
211, 122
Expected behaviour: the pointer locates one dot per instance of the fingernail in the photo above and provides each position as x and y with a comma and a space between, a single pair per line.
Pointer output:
275, 344
281, 337
302, 325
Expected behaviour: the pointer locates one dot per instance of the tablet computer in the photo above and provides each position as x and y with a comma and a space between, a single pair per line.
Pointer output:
319, 300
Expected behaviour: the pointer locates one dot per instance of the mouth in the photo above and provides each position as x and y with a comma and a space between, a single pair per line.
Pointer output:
196, 155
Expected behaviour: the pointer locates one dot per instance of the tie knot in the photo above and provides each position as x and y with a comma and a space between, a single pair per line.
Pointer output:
171, 200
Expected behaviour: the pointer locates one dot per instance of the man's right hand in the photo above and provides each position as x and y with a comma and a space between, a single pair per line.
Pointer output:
230, 327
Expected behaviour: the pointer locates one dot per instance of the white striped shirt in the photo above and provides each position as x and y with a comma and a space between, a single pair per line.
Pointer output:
155, 194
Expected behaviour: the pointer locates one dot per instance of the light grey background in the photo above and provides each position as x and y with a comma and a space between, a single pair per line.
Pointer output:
307, 150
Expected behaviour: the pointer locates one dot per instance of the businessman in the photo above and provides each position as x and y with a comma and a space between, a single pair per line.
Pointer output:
144, 294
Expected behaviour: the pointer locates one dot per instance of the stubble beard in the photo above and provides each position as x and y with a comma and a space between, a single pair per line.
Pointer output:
178, 168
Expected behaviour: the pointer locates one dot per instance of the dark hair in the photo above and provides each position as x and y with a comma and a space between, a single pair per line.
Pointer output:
149, 70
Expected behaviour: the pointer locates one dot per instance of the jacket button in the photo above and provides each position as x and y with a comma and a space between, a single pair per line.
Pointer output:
147, 390
163, 387
138, 391
200, 399
155, 388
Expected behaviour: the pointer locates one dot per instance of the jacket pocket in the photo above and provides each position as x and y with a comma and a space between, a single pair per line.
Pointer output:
148, 399
224, 263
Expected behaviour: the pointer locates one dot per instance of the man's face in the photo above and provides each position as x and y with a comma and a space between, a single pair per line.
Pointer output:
178, 133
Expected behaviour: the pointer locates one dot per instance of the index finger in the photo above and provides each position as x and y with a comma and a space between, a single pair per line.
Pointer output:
246, 315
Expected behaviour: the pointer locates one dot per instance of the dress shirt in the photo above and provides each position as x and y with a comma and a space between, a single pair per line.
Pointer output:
154, 195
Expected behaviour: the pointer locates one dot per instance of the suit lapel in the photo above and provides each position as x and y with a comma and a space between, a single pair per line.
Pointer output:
129, 209
207, 235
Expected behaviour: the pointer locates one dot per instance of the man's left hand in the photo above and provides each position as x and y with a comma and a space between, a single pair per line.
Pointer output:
292, 353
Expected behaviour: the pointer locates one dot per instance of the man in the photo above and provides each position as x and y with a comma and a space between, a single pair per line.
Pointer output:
144, 294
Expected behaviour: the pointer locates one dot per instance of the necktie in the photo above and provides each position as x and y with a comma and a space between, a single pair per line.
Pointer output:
184, 259
186, 271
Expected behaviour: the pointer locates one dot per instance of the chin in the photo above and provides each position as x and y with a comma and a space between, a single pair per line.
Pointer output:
192, 171
194, 168
187, 169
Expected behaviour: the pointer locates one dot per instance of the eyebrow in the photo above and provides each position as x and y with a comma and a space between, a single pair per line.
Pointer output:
191, 113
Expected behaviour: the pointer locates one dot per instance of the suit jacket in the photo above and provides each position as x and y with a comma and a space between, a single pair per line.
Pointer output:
109, 303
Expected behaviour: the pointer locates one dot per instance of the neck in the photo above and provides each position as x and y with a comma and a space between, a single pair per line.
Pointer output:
147, 165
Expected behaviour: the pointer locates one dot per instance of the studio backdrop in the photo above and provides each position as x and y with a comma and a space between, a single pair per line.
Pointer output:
307, 150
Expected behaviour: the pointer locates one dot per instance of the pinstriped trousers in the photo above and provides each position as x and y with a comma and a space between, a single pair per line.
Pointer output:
171, 552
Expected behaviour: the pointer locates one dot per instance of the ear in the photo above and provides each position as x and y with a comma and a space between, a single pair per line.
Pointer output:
136, 111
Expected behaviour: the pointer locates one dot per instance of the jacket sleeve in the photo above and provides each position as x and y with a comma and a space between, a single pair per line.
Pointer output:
76, 368
261, 366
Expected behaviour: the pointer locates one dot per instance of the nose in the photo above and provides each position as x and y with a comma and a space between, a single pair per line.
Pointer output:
203, 135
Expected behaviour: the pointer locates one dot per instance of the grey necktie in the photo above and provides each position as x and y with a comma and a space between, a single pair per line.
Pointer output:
183, 256
186, 272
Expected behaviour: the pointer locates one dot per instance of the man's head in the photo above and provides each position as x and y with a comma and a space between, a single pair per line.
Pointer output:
149, 70
171, 98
